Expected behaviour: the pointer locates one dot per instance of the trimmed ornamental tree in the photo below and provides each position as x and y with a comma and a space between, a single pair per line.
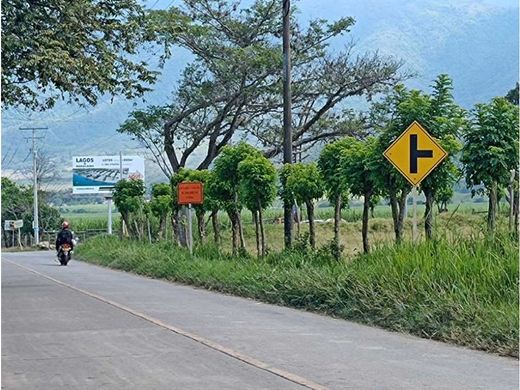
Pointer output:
303, 183
161, 205
257, 192
358, 170
228, 179
329, 164
491, 150
129, 198
444, 121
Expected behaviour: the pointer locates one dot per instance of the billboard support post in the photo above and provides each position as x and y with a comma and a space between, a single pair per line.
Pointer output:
109, 201
120, 166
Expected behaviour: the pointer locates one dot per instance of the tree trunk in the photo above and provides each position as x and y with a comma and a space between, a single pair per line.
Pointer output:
240, 230
262, 232
216, 227
310, 215
162, 227
257, 232
178, 228
492, 209
201, 226
234, 231
428, 213
337, 222
364, 229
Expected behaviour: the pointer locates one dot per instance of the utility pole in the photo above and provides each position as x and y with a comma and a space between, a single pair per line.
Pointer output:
36, 225
287, 118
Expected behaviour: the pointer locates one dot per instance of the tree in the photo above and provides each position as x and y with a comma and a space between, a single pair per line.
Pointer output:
512, 95
303, 183
329, 164
491, 150
46, 170
76, 50
443, 196
234, 84
442, 118
257, 192
129, 198
161, 204
228, 178
358, 170
444, 121
17, 203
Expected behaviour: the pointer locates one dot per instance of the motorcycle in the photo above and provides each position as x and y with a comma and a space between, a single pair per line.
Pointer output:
64, 254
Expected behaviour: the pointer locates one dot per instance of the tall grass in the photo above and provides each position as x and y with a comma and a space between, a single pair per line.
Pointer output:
460, 291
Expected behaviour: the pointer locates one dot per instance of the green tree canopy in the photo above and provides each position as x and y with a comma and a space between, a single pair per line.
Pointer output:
257, 191
359, 170
227, 181
129, 198
303, 183
75, 50
491, 149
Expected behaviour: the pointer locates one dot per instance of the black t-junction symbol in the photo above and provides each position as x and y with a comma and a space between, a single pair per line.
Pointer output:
416, 154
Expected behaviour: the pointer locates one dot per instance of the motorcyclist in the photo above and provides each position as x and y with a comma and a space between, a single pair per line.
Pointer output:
65, 236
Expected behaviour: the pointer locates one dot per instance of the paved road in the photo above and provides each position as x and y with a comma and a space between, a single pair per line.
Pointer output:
86, 327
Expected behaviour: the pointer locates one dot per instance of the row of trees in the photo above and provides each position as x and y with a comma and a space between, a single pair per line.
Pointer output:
482, 146
17, 204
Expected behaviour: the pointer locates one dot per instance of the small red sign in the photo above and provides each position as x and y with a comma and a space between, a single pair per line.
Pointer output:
190, 193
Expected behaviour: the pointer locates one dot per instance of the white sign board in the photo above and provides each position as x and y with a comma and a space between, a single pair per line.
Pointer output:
10, 224
99, 174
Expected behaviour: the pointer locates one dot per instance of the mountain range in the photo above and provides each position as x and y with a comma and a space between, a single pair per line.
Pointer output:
474, 41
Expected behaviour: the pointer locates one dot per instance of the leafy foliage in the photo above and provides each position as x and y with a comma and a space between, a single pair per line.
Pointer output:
357, 167
227, 174
491, 144
161, 201
303, 183
257, 182
17, 203
129, 196
329, 164
77, 50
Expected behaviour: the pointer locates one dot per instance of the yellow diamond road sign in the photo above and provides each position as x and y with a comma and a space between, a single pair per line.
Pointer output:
415, 153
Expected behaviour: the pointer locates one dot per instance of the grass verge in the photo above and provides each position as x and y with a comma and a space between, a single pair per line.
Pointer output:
464, 292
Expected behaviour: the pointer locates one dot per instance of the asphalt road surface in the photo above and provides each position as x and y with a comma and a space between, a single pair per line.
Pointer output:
86, 327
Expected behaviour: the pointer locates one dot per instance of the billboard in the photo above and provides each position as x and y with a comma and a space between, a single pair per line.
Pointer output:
99, 174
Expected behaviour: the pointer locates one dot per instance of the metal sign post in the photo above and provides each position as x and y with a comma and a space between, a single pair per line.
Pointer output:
190, 232
414, 218
190, 193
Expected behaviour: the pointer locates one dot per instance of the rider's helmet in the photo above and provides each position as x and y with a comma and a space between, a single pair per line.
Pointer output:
65, 225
